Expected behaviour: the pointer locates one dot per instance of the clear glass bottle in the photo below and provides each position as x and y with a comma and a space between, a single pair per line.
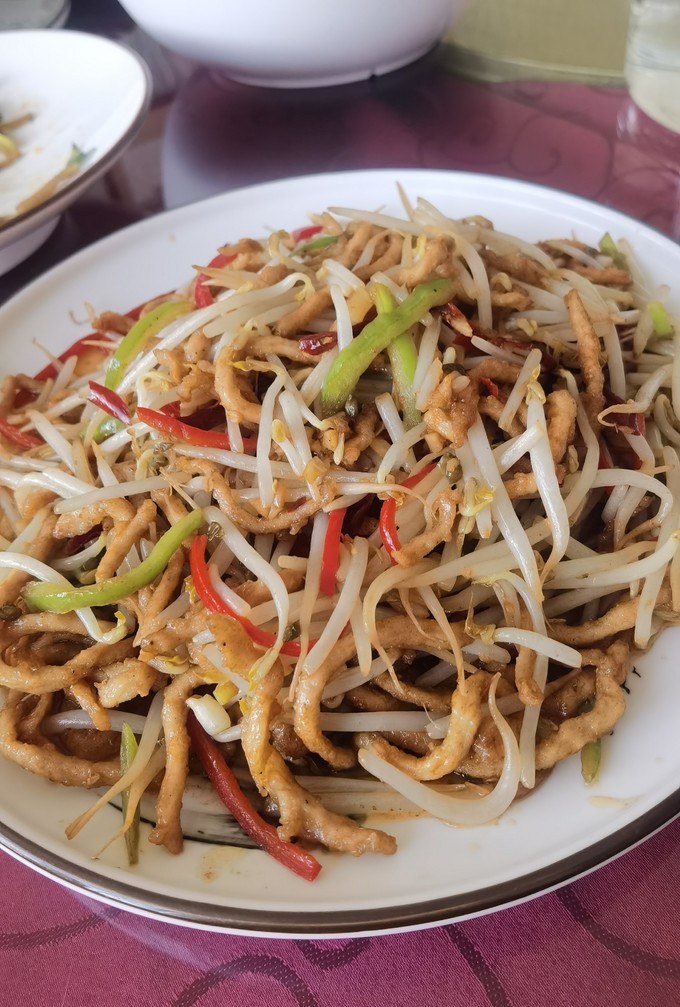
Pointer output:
33, 13
653, 59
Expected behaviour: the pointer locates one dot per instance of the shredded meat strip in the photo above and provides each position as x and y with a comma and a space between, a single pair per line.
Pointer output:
464, 720
290, 520
300, 813
125, 537
452, 408
398, 632
52, 678
109, 513
42, 548
168, 829
83, 693
365, 427
560, 412
125, 681
485, 759
435, 702
260, 347
516, 264
619, 618
590, 358
444, 509
438, 260
234, 390
45, 759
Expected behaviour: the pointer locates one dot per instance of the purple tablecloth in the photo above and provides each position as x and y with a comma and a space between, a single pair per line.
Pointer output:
609, 938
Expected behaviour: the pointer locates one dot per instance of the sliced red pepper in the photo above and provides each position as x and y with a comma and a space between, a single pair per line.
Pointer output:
202, 294
305, 233
331, 552
182, 431
110, 402
214, 602
388, 513
318, 342
19, 437
78, 349
229, 792
172, 409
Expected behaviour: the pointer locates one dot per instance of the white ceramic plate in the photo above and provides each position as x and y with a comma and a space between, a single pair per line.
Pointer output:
81, 89
438, 874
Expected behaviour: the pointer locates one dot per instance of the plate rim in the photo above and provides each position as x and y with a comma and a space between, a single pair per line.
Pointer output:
361, 921
327, 925
22, 224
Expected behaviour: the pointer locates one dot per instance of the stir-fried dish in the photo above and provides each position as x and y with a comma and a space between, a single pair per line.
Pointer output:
373, 515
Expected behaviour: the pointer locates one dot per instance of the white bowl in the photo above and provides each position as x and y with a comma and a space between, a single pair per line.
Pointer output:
81, 90
298, 43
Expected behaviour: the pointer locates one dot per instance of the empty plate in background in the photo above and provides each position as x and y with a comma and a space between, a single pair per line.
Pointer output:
70, 103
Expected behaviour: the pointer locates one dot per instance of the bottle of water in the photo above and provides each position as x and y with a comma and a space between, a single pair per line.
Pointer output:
33, 13
653, 59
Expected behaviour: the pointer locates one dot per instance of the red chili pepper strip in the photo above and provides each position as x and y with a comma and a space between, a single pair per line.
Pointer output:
172, 409
19, 437
78, 349
202, 295
388, 513
229, 792
331, 552
214, 602
305, 233
110, 402
182, 431
318, 342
